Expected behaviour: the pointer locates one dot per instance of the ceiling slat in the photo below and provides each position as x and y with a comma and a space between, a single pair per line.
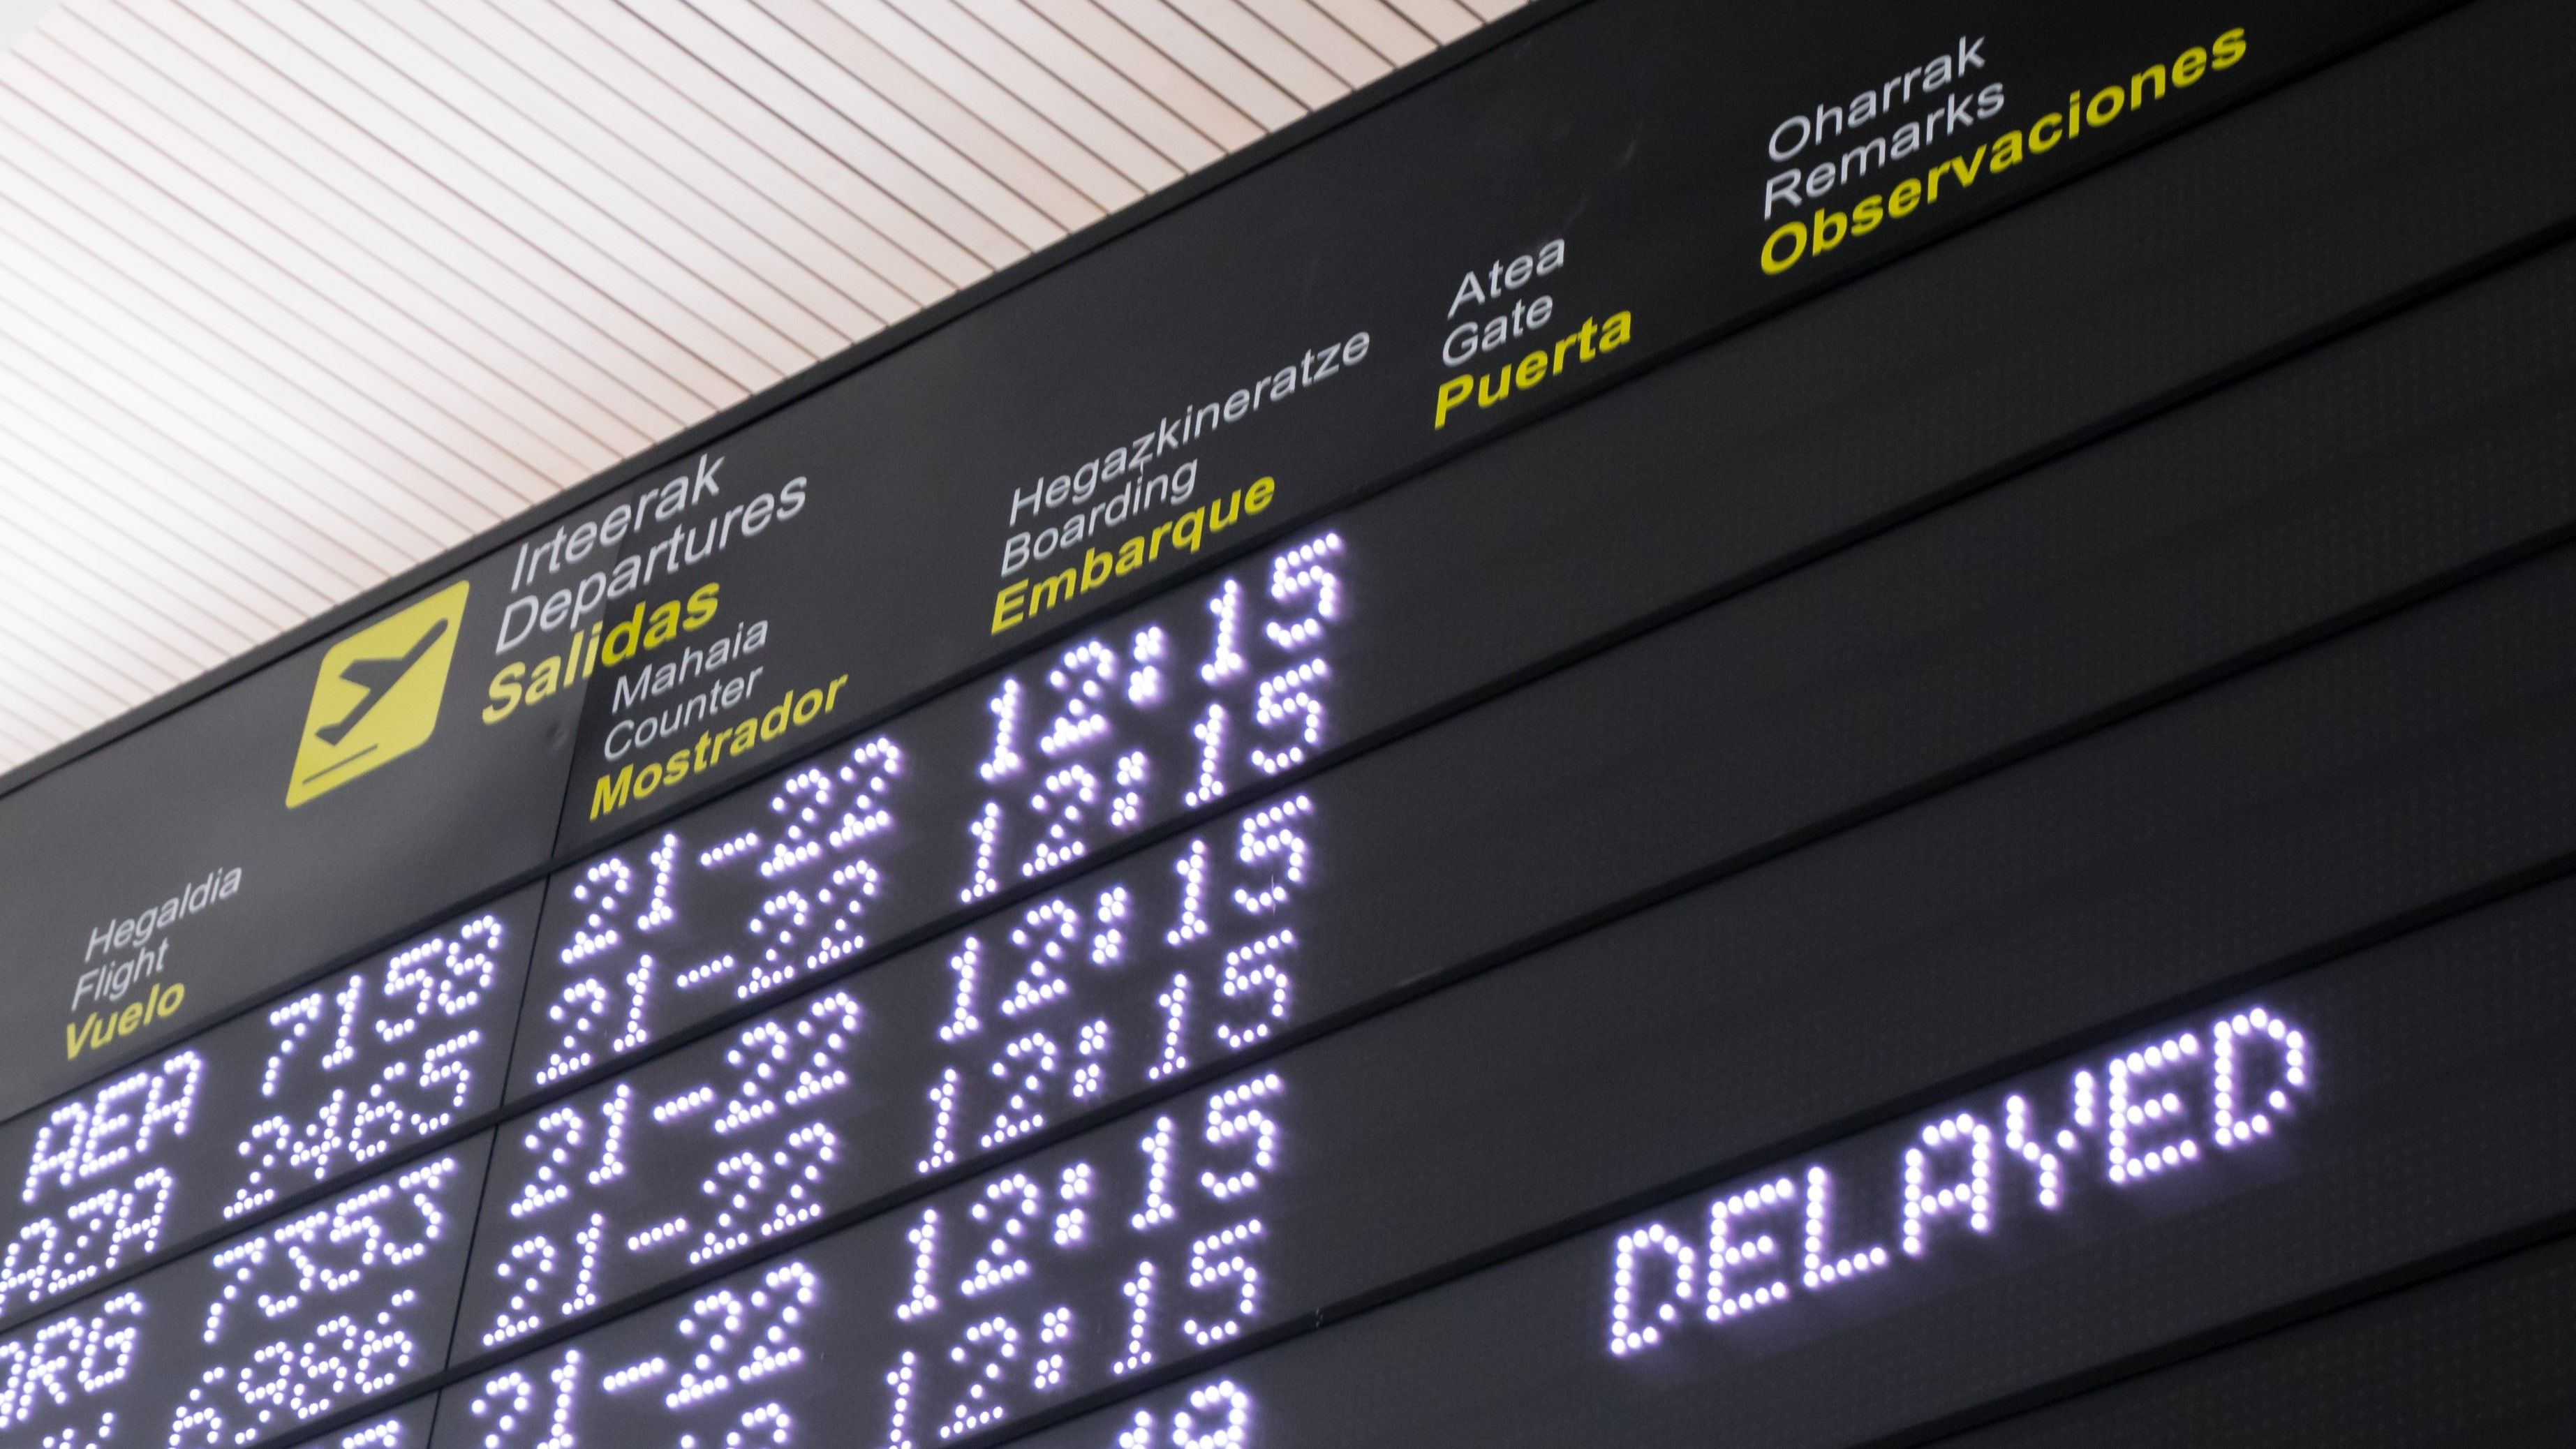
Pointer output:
151, 276
651, 152
1442, 20
928, 176
1195, 61
367, 203
843, 64
940, 260
1186, 124
1325, 40
791, 209
52, 383
96, 364
560, 138
353, 369
389, 261
1035, 109
566, 221
349, 122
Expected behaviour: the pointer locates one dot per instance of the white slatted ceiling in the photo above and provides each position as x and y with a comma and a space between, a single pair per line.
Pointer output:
296, 293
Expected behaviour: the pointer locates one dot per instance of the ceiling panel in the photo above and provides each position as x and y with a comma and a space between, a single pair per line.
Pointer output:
295, 294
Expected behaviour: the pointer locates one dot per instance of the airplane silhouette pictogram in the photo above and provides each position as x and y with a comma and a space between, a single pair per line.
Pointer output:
376, 676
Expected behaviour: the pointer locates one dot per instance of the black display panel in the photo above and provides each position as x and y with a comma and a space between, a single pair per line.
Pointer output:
257, 1338
736, 902
886, 1098
330, 1082
1316, 1181
2404, 1081
1395, 289
1620, 181
824, 1106
2352, 1120
340, 893
1045, 952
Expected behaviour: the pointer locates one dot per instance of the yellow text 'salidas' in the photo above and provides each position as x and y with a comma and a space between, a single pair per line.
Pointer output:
603, 644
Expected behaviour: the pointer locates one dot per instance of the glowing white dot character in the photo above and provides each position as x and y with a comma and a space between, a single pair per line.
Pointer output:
1225, 655
1928, 1200
943, 1122
1300, 573
1138, 1290
1210, 732
1157, 1208
1005, 760
1225, 1412
1257, 969
2242, 1108
1231, 1118
1737, 1284
1175, 1003
1147, 650
900, 1382
986, 1352
1266, 835
1027, 1065
1822, 1269
2137, 1113
1009, 1210
1289, 698
1084, 678
1640, 1313
508, 1404
1215, 1260
1192, 868
924, 1237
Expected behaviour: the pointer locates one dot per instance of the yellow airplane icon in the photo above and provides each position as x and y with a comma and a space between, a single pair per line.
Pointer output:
377, 694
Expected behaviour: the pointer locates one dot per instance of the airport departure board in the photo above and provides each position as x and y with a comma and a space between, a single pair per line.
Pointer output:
1916, 759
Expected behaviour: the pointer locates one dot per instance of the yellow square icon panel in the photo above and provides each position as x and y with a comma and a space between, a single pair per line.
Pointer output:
377, 695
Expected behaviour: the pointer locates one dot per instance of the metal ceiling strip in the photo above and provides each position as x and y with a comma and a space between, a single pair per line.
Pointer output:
198, 79
351, 120
865, 300
1252, 41
47, 533
192, 362
983, 216
190, 420
221, 202
1093, 75
858, 258
720, 331
855, 190
989, 77
1230, 101
60, 224
1322, 38
183, 474
465, 341
1011, 157
309, 286
73, 681
277, 317
545, 129
1383, 28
